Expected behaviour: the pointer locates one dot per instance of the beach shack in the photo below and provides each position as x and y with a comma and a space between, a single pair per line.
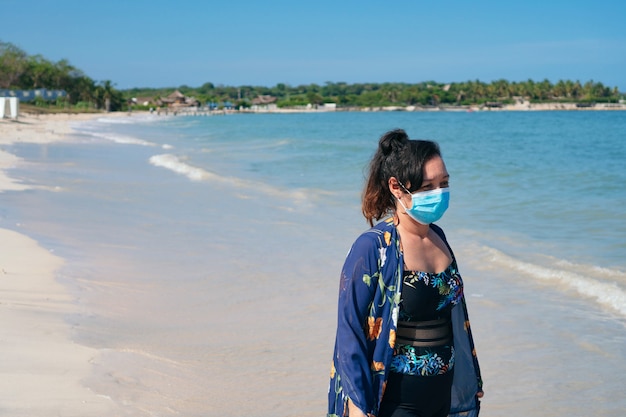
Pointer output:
178, 100
264, 103
175, 98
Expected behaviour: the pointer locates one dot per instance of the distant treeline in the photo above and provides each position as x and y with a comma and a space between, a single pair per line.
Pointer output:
428, 93
18, 70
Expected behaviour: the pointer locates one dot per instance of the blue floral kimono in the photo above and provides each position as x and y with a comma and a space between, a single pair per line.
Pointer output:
369, 299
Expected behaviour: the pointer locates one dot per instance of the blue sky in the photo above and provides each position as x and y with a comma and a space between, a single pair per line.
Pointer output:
155, 43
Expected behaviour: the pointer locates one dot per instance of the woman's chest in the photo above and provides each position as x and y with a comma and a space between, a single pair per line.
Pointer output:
427, 296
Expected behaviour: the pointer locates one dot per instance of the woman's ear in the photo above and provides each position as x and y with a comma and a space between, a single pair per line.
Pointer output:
394, 187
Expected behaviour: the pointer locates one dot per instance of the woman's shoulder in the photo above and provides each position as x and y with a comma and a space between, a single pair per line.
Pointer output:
438, 230
379, 234
384, 226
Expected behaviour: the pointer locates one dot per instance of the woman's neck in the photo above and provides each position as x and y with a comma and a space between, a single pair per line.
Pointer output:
406, 225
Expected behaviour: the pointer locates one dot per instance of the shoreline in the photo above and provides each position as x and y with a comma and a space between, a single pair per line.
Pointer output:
518, 107
44, 368
524, 106
53, 126
54, 365
30, 128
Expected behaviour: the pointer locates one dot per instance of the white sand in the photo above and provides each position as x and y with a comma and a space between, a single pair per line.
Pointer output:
41, 367
32, 129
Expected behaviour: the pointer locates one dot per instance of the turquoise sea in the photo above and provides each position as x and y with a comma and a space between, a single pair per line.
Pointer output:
204, 252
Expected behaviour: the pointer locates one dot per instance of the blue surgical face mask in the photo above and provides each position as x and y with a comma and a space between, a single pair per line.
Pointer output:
428, 206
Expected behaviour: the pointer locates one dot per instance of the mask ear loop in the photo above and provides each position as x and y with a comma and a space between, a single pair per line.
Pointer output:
400, 200
397, 217
404, 188
403, 206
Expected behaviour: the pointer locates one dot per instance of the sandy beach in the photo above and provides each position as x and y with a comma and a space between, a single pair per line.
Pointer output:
221, 298
31, 129
42, 368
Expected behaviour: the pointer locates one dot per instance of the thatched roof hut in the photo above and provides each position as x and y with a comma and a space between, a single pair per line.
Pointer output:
264, 99
175, 98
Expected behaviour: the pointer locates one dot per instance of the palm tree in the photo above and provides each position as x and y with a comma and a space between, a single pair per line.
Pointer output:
107, 93
577, 90
559, 90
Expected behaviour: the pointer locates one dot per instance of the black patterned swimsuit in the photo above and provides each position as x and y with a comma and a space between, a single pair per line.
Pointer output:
420, 378
427, 296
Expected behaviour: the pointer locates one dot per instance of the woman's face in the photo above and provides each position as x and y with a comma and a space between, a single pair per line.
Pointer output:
435, 175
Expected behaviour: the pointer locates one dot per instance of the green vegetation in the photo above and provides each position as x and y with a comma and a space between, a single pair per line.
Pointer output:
398, 94
18, 70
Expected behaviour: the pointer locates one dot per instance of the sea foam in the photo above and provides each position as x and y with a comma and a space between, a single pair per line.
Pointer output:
124, 140
173, 163
179, 166
607, 294
131, 119
95, 131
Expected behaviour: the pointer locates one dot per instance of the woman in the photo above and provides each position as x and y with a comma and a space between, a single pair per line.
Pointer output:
403, 344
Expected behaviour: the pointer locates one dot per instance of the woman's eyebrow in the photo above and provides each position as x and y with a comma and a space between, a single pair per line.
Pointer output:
432, 179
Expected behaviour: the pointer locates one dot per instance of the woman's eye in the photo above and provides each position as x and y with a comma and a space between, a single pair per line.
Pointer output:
430, 186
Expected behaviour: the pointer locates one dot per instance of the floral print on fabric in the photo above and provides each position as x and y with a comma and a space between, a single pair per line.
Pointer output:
439, 292
368, 310
369, 298
448, 283
410, 360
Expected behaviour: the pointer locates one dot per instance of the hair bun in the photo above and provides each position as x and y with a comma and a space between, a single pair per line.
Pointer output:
392, 140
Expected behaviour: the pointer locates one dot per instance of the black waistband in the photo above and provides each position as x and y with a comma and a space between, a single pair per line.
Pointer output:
424, 333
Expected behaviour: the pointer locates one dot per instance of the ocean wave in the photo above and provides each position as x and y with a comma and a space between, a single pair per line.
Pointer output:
606, 273
603, 287
93, 131
173, 163
270, 145
132, 119
94, 128
180, 166
125, 140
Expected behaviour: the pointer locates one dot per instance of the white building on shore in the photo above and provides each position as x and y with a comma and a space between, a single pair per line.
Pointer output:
9, 107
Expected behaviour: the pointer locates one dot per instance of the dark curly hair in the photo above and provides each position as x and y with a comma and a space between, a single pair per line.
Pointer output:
400, 157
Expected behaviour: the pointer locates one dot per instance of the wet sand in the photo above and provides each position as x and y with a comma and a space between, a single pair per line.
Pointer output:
42, 368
